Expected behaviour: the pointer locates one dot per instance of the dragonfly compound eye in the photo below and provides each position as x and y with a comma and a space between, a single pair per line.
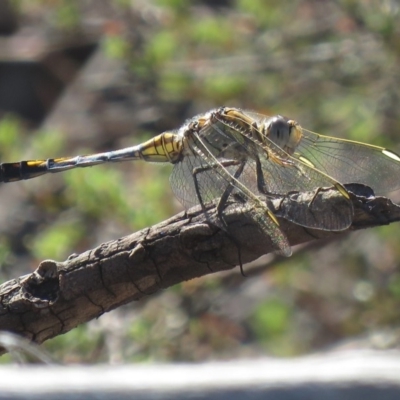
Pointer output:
279, 130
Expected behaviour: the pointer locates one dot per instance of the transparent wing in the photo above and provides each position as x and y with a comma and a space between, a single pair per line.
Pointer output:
347, 161
282, 173
324, 209
351, 162
212, 180
211, 183
284, 176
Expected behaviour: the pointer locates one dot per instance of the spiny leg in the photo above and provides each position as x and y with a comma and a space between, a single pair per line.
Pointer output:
228, 191
262, 187
220, 207
223, 198
199, 170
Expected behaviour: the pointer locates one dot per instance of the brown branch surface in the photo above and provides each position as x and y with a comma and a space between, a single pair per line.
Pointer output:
58, 296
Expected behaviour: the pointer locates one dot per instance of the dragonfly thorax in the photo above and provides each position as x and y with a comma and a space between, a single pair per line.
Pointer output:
284, 132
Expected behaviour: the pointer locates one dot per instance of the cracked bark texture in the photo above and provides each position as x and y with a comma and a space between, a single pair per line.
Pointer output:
58, 296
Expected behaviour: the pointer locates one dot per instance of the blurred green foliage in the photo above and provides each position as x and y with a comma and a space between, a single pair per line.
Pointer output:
115, 46
68, 14
9, 128
331, 65
271, 319
81, 345
55, 241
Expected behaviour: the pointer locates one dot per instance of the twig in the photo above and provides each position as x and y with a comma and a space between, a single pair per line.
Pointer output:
58, 296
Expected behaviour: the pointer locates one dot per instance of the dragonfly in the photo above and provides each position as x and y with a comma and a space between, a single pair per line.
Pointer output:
229, 153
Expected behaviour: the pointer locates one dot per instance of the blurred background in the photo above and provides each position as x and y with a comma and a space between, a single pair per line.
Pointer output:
89, 76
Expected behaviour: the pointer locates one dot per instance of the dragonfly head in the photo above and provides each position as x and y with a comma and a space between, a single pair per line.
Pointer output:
284, 132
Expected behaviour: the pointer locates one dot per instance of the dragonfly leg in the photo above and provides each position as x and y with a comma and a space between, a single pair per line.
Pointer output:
261, 185
228, 190
223, 198
338, 187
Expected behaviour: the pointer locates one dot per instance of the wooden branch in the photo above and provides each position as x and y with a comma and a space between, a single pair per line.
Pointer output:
58, 296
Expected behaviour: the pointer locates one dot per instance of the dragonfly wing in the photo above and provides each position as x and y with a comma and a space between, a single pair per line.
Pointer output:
304, 193
271, 230
351, 162
280, 174
324, 209
210, 184
206, 173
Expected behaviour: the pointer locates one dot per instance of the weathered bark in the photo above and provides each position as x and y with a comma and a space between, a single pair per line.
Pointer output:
58, 296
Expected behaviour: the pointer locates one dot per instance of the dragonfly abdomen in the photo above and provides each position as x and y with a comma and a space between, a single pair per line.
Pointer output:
11, 172
166, 147
28, 169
